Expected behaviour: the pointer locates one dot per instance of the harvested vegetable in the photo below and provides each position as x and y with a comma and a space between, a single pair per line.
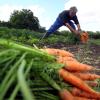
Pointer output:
66, 95
77, 66
58, 52
34, 74
87, 76
68, 77
63, 60
84, 37
78, 92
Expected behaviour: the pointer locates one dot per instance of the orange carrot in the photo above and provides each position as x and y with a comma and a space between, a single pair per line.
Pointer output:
58, 52
77, 66
84, 37
64, 53
61, 59
65, 95
68, 77
87, 76
77, 92
82, 98
93, 83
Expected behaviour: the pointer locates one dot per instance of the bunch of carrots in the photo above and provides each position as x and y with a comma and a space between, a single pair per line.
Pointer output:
77, 74
84, 37
30, 74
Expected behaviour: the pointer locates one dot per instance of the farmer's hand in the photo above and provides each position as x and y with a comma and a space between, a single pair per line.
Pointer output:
80, 31
77, 32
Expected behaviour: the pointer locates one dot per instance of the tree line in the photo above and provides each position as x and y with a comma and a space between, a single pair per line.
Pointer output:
23, 19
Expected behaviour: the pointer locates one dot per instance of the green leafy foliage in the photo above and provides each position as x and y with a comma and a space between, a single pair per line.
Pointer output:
21, 67
94, 35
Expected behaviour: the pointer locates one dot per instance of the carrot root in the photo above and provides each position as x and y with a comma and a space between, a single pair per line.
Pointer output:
76, 66
77, 92
65, 95
68, 77
87, 76
58, 52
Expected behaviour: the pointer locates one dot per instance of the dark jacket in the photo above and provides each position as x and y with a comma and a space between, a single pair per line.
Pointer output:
65, 17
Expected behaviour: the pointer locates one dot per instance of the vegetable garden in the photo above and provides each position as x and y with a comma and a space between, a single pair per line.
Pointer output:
54, 69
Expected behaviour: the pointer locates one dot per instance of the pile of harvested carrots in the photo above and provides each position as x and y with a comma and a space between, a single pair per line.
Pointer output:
44, 74
77, 74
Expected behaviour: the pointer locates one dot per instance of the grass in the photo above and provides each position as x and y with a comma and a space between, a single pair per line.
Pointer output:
95, 41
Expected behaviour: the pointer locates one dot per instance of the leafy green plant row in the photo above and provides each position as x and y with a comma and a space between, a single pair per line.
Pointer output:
30, 37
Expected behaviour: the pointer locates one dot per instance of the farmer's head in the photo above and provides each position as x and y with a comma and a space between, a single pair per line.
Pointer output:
72, 11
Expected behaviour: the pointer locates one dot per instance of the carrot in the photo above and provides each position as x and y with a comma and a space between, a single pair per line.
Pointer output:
58, 52
93, 83
77, 92
65, 95
84, 37
68, 77
61, 59
77, 66
64, 53
87, 76
81, 98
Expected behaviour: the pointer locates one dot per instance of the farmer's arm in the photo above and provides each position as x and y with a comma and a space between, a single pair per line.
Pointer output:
78, 27
71, 29
75, 19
